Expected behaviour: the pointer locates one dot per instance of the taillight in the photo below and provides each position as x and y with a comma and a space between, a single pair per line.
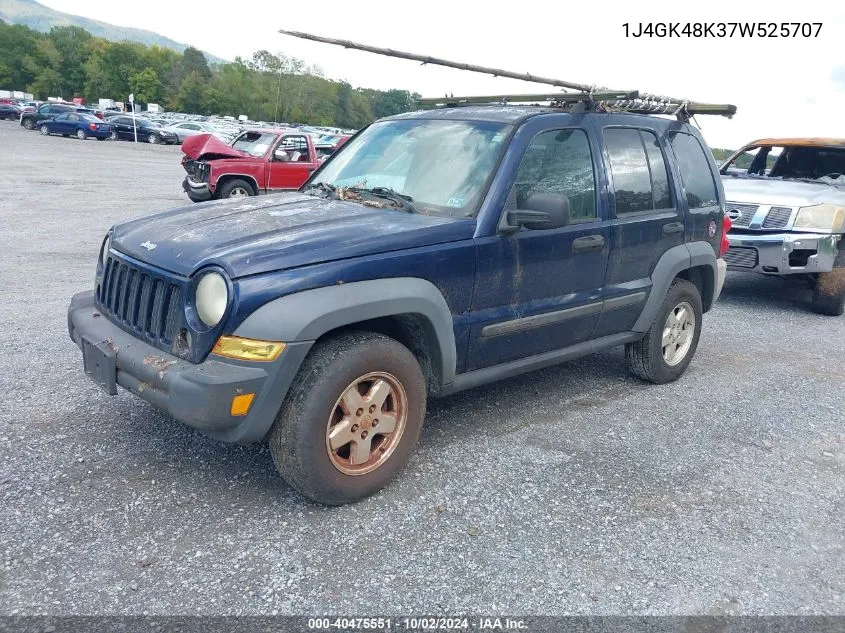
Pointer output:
93, 126
726, 226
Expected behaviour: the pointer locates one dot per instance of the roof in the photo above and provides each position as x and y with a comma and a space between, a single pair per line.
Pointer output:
491, 113
817, 142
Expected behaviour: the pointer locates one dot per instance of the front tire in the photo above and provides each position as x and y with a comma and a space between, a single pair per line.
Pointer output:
81, 135
45, 130
236, 188
351, 418
666, 350
829, 293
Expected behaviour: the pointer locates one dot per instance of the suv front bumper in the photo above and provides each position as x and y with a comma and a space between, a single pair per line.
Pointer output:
782, 253
200, 395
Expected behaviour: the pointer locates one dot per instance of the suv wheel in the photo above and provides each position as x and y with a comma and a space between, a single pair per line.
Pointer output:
666, 350
829, 293
236, 188
29, 124
45, 130
351, 418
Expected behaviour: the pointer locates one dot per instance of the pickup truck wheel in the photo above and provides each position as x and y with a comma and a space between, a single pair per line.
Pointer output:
350, 419
666, 350
45, 130
29, 124
829, 293
236, 188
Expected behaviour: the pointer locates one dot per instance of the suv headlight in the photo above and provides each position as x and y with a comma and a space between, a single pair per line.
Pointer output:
104, 253
212, 296
821, 217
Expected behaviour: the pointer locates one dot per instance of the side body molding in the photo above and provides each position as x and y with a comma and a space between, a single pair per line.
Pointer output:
673, 261
307, 315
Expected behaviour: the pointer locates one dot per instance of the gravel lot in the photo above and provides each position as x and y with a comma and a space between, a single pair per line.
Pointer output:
576, 489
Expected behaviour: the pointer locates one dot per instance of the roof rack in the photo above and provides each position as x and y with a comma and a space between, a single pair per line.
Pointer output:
585, 97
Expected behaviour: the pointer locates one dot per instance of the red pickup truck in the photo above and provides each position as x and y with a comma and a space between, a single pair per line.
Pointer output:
257, 162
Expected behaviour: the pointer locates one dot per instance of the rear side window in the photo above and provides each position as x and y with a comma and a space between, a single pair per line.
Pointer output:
639, 172
697, 179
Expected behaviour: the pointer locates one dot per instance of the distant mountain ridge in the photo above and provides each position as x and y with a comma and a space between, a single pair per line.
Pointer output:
42, 18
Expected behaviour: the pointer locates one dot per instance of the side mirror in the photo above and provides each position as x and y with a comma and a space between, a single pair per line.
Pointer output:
541, 211
281, 155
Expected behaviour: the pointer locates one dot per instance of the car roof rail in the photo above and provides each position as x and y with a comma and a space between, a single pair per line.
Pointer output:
583, 98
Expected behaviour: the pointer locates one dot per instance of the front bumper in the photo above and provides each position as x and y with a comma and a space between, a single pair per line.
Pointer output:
200, 395
197, 190
782, 253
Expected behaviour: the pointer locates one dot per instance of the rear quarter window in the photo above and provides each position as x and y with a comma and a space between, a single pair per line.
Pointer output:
696, 176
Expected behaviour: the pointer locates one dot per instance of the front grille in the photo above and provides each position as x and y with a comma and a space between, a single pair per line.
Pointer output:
741, 214
142, 302
777, 218
741, 256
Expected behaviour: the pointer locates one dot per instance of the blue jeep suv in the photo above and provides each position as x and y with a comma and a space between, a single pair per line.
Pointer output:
436, 251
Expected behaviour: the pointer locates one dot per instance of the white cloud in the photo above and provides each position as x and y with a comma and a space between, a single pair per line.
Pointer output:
782, 87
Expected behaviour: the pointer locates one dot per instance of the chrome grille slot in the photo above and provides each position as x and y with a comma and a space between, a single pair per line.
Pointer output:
741, 256
741, 214
777, 218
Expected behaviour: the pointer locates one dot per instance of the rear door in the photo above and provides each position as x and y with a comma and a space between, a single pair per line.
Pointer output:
647, 221
540, 290
290, 173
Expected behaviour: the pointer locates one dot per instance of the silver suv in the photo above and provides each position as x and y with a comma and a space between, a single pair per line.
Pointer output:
786, 200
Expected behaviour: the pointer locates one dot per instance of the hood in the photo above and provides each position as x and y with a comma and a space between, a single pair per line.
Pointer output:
208, 147
786, 193
257, 235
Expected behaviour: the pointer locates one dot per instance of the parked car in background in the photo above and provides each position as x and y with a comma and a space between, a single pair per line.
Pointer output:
10, 111
786, 199
124, 128
184, 129
77, 124
327, 147
257, 161
31, 120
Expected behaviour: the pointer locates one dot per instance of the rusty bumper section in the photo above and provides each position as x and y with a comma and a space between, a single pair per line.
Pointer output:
198, 395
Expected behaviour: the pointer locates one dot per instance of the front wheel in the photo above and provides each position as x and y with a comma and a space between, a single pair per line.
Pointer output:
351, 418
81, 135
829, 293
236, 188
45, 130
666, 350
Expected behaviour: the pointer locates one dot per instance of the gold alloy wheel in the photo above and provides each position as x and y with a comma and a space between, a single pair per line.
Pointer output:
678, 333
366, 423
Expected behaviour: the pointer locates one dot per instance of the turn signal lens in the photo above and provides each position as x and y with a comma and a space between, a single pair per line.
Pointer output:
725, 244
241, 404
247, 348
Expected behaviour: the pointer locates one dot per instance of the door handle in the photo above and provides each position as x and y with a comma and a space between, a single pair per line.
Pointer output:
672, 228
588, 243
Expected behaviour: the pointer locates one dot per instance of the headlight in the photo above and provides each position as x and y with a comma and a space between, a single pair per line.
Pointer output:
822, 217
211, 298
104, 255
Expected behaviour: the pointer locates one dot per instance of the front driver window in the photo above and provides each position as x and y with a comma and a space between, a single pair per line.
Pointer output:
558, 162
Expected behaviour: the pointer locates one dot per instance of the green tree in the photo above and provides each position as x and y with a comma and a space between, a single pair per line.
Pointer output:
191, 97
146, 86
193, 61
72, 44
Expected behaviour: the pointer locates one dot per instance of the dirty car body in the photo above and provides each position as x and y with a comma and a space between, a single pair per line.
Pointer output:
786, 200
535, 237
260, 161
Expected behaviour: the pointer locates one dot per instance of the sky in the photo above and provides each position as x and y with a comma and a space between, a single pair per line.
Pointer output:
782, 87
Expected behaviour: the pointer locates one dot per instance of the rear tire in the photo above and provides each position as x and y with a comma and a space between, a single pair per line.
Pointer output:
29, 124
153, 139
342, 386
236, 188
666, 350
113, 136
829, 293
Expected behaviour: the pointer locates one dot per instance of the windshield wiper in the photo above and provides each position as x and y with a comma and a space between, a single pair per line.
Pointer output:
399, 199
329, 190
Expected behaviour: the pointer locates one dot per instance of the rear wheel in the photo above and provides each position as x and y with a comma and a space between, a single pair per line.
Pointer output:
112, 135
45, 130
351, 418
153, 139
666, 350
236, 188
29, 124
81, 135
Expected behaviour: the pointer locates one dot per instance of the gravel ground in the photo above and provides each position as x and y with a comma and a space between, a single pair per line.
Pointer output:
576, 489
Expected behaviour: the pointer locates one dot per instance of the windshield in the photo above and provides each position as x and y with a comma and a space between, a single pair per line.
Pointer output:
442, 166
793, 162
254, 143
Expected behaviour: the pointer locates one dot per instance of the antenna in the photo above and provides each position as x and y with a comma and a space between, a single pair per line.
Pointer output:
599, 99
